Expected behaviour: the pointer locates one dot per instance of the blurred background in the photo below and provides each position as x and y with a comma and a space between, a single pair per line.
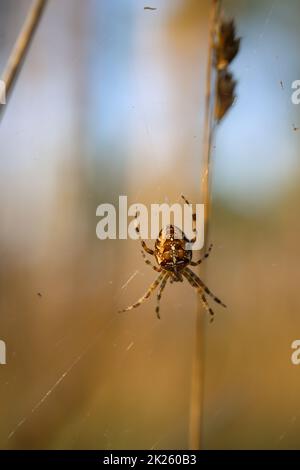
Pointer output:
110, 102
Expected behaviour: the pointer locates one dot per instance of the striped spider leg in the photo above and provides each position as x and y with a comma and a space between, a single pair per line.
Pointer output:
200, 291
196, 263
199, 285
206, 255
204, 286
161, 288
158, 270
194, 219
162, 278
145, 248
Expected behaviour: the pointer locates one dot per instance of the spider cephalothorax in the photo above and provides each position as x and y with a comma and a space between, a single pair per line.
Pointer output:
173, 254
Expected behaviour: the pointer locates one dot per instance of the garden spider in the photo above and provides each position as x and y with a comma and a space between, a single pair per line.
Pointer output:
173, 259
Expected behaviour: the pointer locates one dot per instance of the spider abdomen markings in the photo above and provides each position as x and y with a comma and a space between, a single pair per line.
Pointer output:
170, 249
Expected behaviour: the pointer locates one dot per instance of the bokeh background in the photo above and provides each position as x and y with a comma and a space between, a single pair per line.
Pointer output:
110, 102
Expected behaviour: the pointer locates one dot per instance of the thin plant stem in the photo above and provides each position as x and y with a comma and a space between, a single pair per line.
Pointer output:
209, 126
196, 404
20, 48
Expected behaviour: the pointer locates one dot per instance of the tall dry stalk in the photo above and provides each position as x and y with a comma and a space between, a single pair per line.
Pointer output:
196, 403
220, 86
20, 48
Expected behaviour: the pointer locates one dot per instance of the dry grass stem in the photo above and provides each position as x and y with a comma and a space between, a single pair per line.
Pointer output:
223, 47
21, 47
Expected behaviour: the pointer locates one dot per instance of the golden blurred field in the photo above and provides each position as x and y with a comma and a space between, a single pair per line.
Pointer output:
110, 101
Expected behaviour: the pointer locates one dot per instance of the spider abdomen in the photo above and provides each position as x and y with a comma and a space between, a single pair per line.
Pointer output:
170, 249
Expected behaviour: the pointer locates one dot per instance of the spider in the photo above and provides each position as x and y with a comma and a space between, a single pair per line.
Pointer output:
173, 258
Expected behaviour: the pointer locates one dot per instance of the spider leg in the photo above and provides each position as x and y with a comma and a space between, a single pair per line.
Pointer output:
207, 307
137, 229
146, 295
161, 288
185, 199
200, 291
203, 286
158, 270
194, 220
196, 263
